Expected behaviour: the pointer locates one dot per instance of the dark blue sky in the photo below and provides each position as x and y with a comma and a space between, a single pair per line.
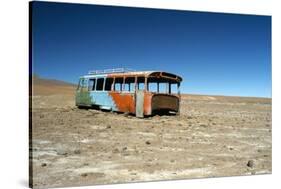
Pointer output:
215, 53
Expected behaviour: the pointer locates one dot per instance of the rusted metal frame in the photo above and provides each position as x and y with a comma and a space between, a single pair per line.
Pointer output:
136, 86
170, 90
103, 87
145, 84
157, 87
129, 86
123, 84
95, 81
179, 96
113, 84
171, 78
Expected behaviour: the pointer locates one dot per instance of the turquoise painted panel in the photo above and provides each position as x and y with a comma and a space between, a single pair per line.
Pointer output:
102, 98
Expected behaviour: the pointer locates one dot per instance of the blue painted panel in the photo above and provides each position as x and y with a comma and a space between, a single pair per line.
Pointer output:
102, 98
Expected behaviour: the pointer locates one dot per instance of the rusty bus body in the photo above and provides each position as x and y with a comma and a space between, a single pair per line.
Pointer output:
141, 93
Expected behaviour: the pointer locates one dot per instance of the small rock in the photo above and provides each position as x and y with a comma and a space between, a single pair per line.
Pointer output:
77, 152
43, 164
127, 114
126, 154
108, 127
84, 174
203, 125
116, 150
189, 117
250, 163
148, 142
61, 152
125, 148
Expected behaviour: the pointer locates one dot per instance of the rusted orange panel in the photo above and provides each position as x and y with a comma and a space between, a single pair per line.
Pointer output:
127, 75
147, 103
125, 102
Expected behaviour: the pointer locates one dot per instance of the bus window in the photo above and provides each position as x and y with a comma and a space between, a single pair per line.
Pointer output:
129, 84
118, 84
108, 84
152, 87
174, 88
162, 87
100, 84
126, 87
132, 87
140, 82
92, 84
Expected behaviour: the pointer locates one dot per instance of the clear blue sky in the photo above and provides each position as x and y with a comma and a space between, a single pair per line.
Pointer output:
221, 54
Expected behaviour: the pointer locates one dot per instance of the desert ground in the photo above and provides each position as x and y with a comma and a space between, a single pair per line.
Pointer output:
213, 136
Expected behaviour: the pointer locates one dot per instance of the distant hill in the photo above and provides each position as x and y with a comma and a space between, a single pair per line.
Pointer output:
43, 86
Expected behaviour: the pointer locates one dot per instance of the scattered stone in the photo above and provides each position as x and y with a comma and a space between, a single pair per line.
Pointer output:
231, 148
61, 152
127, 114
203, 125
43, 164
126, 154
84, 174
77, 152
250, 163
108, 127
116, 150
125, 148
189, 117
148, 142
173, 161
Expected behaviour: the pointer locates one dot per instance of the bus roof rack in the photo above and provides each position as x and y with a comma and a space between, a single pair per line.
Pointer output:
114, 70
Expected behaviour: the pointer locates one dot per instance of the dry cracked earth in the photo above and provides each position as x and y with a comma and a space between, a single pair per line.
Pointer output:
213, 136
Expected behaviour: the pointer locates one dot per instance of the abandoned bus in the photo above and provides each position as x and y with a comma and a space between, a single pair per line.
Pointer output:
141, 93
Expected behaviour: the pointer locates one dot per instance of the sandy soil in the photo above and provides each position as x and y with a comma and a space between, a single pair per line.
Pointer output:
213, 136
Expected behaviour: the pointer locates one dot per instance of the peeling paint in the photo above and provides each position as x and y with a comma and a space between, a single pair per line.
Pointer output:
139, 102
